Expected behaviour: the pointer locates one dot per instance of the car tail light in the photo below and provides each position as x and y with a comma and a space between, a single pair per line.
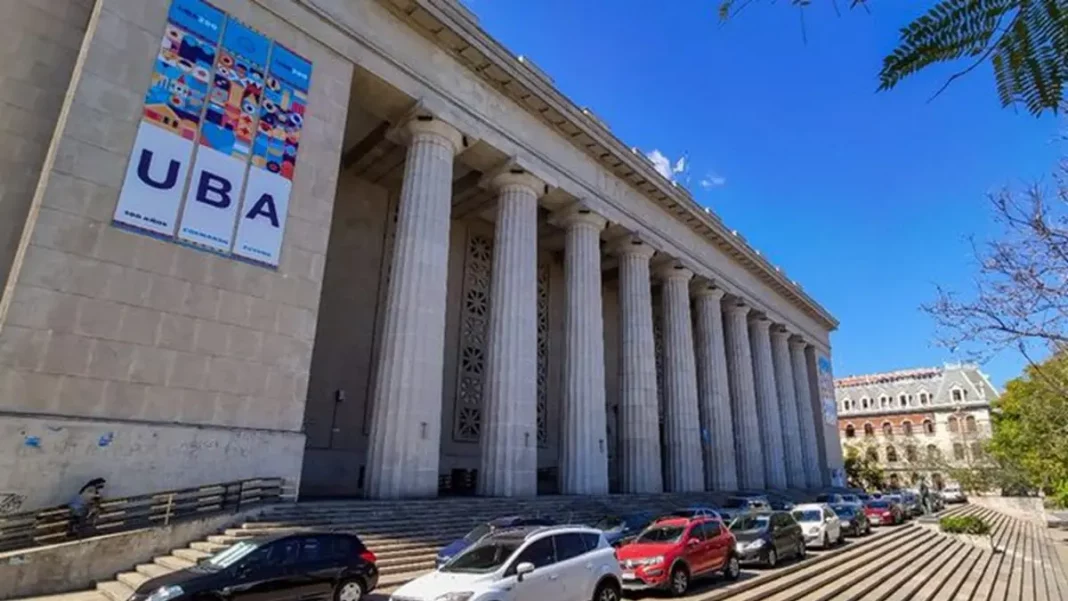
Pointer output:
368, 556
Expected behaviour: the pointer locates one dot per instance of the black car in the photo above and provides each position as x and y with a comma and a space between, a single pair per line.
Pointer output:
767, 537
854, 521
306, 566
739, 505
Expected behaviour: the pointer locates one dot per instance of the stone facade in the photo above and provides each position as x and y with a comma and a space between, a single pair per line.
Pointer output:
919, 421
473, 279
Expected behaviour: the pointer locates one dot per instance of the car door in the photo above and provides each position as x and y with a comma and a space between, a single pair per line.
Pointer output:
317, 568
266, 574
718, 544
544, 582
698, 550
834, 525
574, 566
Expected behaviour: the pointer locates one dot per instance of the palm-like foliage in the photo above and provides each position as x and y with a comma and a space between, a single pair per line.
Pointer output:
1026, 41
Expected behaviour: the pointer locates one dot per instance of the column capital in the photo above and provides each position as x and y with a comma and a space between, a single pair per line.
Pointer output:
798, 342
633, 246
780, 331
517, 176
576, 214
419, 121
737, 307
760, 321
702, 288
673, 270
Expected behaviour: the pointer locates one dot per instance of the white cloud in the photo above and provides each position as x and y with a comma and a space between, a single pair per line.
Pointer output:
712, 181
665, 167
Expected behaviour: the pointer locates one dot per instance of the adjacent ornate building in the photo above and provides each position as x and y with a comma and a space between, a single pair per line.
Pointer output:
384, 256
917, 422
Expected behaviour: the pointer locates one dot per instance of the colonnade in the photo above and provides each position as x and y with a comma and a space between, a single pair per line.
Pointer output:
737, 396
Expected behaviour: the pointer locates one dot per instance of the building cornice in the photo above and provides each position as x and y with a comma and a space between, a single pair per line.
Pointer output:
453, 28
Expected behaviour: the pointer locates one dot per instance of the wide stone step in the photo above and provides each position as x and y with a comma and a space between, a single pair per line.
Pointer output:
172, 562
152, 570
192, 555
132, 579
114, 590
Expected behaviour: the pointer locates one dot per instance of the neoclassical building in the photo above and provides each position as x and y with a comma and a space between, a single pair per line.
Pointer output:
360, 245
917, 421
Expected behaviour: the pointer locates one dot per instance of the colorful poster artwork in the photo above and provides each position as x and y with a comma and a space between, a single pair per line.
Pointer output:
237, 86
282, 113
182, 74
826, 387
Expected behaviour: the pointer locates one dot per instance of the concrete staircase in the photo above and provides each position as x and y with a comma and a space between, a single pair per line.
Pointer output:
405, 536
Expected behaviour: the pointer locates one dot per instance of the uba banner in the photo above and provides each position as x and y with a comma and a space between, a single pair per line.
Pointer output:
826, 387
212, 165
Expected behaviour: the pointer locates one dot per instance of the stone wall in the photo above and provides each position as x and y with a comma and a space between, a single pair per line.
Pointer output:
39, 42
147, 339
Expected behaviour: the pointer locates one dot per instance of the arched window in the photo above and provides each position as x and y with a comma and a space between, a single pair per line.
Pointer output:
869, 430
884, 401
910, 453
969, 425
850, 431
891, 454
933, 453
977, 450
958, 451
906, 428
923, 399
872, 454
928, 427
903, 400
954, 427
864, 403
888, 429
957, 394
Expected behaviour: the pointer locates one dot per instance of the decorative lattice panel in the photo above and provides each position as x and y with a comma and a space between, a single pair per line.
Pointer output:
474, 319
543, 352
658, 353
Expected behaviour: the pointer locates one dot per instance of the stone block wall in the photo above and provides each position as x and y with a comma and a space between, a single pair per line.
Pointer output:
145, 343
39, 42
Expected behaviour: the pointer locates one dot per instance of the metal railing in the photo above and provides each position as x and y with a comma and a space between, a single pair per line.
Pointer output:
55, 524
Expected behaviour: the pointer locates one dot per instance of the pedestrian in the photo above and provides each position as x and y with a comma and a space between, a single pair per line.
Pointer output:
85, 507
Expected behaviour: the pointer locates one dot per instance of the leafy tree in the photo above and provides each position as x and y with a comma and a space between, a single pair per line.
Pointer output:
1030, 422
1026, 41
862, 470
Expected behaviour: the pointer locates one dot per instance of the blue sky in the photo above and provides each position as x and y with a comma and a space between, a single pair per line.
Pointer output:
865, 198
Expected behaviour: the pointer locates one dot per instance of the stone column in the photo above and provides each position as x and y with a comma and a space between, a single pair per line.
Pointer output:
509, 442
583, 448
639, 437
767, 403
791, 428
743, 398
404, 446
713, 391
803, 391
682, 424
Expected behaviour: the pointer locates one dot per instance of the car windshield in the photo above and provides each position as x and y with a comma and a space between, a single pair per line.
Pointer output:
850, 498
736, 503
664, 533
879, 504
229, 557
808, 515
843, 511
477, 533
750, 522
482, 558
609, 522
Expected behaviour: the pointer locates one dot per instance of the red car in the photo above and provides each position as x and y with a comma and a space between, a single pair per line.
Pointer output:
673, 551
881, 512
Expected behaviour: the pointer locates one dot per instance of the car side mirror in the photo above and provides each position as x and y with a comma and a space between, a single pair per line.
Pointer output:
692, 542
522, 570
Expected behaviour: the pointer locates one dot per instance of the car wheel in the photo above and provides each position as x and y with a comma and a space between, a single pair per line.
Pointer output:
606, 591
826, 541
680, 580
773, 558
349, 590
733, 569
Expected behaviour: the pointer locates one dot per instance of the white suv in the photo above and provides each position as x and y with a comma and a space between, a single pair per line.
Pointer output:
820, 525
536, 563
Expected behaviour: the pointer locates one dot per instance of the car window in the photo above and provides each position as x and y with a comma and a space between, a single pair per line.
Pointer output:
711, 530
540, 553
808, 515
592, 541
283, 553
661, 533
749, 522
569, 545
343, 547
311, 549
698, 531
483, 557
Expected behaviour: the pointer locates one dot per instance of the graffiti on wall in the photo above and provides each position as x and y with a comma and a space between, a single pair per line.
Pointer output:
215, 154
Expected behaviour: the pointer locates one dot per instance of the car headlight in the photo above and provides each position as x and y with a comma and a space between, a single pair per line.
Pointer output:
164, 593
460, 596
814, 530
753, 544
651, 561
846, 523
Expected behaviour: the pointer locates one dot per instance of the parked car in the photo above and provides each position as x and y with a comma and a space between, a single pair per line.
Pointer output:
620, 529
899, 500
300, 566
853, 519
482, 530
938, 502
528, 563
820, 524
774, 500
830, 498
911, 502
863, 497
851, 499
954, 494
672, 552
697, 511
882, 512
768, 537
738, 505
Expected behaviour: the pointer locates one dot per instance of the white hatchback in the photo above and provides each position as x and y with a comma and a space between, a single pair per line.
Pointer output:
819, 524
539, 563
